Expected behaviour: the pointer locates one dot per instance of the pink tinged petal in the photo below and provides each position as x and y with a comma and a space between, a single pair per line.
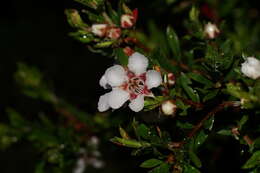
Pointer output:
99, 29
103, 82
103, 103
153, 79
117, 98
137, 104
115, 75
137, 63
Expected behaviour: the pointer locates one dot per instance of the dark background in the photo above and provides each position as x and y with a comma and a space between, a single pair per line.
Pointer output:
35, 32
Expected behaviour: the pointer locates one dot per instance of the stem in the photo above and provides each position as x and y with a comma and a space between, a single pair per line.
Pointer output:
211, 114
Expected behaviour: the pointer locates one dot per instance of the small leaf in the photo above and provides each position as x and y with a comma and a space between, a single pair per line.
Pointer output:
163, 168
123, 133
209, 123
201, 79
151, 163
130, 143
174, 44
191, 92
253, 161
210, 95
195, 159
121, 56
190, 169
200, 139
225, 132
143, 131
242, 121
194, 14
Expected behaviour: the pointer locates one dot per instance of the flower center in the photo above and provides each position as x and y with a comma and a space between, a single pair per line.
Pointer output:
136, 85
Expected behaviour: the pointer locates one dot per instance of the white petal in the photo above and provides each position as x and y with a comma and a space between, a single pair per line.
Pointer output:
103, 103
103, 82
117, 98
115, 75
137, 104
251, 68
137, 63
153, 79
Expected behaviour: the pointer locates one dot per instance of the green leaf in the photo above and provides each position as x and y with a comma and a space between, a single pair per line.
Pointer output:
123, 133
210, 95
130, 143
74, 19
121, 56
152, 103
209, 123
82, 36
194, 14
16, 119
224, 132
195, 159
200, 79
191, 92
163, 168
190, 169
184, 125
253, 161
173, 42
104, 44
93, 17
200, 139
151, 163
143, 131
242, 122
40, 167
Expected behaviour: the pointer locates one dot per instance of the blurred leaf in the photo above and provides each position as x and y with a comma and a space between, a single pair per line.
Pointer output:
74, 19
123, 133
201, 79
16, 119
152, 103
143, 131
242, 122
174, 44
225, 132
194, 158
82, 36
191, 92
130, 143
93, 17
190, 169
121, 56
194, 14
95, 4
253, 161
163, 168
40, 167
210, 95
209, 123
151, 163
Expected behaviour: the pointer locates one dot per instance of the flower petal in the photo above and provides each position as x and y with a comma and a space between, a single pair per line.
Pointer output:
251, 68
115, 75
137, 104
117, 97
103, 82
137, 63
153, 79
103, 103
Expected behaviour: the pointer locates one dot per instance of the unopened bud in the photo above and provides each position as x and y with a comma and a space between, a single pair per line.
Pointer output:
169, 108
99, 29
211, 30
128, 51
170, 79
114, 33
128, 20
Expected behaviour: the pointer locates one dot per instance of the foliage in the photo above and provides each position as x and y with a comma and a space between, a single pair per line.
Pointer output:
209, 87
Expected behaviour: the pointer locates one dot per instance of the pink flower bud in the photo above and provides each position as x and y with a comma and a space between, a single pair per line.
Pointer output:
114, 33
171, 79
211, 30
128, 51
99, 29
128, 20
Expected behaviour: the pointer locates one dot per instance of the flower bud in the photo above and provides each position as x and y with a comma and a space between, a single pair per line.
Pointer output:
171, 79
99, 29
251, 68
128, 51
114, 33
168, 107
211, 30
128, 20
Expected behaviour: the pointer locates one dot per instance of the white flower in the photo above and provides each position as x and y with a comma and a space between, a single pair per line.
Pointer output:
127, 21
211, 30
168, 107
132, 83
251, 68
99, 29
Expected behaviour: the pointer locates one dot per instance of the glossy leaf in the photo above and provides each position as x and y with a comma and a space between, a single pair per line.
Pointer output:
151, 163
